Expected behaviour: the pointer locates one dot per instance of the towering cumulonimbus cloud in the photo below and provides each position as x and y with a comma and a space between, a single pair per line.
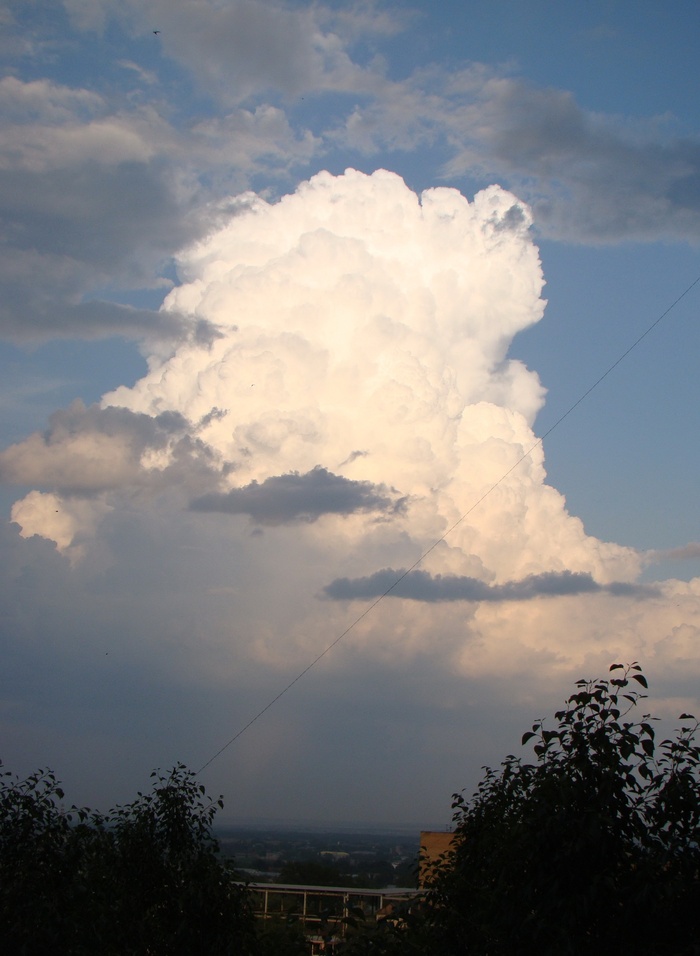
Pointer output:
223, 523
365, 330
359, 380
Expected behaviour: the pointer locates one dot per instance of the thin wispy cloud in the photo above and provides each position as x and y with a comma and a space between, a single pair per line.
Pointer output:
685, 552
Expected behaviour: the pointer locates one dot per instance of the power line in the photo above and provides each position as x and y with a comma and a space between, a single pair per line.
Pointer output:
424, 555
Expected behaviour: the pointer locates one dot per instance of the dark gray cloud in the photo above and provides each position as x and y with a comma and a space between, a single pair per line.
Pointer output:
96, 197
28, 313
75, 223
93, 200
422, 586
684, 553
588, 177
294, 497
238, 50
94, 211
89, 450
353, 456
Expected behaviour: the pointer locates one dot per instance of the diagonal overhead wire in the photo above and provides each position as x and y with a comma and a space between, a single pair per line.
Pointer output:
526, 454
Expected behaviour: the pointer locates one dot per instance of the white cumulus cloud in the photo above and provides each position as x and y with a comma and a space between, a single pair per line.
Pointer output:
365, 329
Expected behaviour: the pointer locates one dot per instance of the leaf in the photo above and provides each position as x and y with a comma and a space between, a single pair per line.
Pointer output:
617, 667
641, 679
528, 736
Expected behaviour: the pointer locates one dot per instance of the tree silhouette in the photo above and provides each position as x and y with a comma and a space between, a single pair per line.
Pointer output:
144, 879
594, 846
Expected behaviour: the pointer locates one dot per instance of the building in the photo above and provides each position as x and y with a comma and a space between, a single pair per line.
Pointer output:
434, 844
324, 910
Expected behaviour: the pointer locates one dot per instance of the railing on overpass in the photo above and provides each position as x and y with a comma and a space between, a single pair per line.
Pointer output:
324, 911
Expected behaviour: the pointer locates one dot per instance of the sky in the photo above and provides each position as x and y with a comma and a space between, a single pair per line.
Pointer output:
298, 304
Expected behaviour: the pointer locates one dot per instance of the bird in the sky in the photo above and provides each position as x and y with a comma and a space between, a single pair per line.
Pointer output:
156, 32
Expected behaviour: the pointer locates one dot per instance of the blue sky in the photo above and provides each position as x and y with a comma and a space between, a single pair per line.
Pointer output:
221, 409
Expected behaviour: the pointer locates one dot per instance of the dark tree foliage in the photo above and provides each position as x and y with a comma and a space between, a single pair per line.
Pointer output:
403, 931
594, 847
281, 937
145, 879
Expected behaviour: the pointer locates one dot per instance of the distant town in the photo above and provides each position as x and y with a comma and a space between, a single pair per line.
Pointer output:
369, 859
